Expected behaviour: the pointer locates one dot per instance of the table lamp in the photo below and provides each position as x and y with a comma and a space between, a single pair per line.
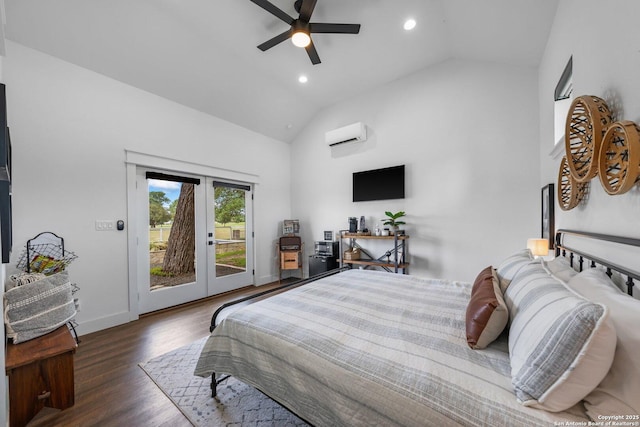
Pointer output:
538, 247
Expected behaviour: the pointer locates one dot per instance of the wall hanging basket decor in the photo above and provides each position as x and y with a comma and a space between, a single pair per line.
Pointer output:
587, 121
619, 158
570, 191
45, 254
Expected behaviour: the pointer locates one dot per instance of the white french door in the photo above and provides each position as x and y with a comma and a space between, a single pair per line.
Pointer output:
184, 251
230, 245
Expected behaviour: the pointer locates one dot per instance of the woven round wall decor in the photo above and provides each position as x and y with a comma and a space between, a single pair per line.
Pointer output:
570, 191
619, 158
587, 121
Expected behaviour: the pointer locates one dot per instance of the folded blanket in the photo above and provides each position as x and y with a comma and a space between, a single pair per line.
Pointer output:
39, 307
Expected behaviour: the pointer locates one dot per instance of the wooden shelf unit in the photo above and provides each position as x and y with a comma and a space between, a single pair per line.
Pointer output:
396, 260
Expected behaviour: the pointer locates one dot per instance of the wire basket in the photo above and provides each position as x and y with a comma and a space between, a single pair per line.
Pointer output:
45, 254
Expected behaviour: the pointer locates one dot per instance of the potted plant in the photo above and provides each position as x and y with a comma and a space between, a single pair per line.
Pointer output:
392, 220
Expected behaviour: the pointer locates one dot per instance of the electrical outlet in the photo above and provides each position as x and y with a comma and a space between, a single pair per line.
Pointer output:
105, 225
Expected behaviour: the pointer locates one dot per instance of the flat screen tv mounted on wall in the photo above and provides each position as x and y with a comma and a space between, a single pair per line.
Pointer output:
6, 239
379, 184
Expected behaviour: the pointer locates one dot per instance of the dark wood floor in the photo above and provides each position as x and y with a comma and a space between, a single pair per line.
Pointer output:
111, 389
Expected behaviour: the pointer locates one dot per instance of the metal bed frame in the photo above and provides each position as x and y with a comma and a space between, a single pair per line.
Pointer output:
562, 249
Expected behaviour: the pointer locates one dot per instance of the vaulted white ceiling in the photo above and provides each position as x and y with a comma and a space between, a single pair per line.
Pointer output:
202, 53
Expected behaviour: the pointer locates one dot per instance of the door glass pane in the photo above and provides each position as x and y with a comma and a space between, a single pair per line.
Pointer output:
171, 233
230, 230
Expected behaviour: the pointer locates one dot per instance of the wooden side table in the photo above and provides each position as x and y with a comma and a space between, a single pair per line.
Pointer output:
40, 374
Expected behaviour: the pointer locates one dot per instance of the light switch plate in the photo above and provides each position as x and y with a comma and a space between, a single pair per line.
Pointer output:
105, 225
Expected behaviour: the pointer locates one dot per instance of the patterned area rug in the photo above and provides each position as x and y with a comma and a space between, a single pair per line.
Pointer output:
238, 404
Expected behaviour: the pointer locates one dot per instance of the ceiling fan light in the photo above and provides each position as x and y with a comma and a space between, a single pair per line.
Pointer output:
409, 24
301, 39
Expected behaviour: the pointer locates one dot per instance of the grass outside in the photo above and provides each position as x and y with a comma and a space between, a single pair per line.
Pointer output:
234, 258
159, 236
224, 266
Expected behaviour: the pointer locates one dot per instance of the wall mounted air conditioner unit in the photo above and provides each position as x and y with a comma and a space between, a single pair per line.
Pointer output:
352, 133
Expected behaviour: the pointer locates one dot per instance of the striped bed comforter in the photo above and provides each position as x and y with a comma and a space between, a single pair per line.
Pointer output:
364, 348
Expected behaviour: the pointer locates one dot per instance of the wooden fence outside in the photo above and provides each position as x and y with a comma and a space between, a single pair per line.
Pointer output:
229, 232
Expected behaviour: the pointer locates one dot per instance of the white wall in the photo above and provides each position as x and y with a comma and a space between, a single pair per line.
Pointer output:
70, 128
467, 133
603, 39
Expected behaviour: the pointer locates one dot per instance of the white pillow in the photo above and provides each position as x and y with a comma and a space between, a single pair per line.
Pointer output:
508, 268
619, 392
560, 344
560, 268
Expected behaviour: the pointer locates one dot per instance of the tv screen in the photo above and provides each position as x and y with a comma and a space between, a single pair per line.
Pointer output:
379, 184
5, 146
5, 181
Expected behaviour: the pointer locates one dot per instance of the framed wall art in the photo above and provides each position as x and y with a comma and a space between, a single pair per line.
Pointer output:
547, 214
290, 227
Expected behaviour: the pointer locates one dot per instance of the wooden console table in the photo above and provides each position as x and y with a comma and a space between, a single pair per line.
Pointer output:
40, 374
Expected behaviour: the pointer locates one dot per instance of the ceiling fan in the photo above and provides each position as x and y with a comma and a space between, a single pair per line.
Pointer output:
301, 29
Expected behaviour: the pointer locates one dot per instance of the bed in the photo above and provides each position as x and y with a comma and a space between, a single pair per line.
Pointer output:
365, 347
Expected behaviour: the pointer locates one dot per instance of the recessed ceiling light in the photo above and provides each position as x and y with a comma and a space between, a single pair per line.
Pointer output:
303, 79
409, 24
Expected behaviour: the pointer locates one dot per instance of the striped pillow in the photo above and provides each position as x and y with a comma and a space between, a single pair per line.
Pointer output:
560, 345
37, 308
510, 267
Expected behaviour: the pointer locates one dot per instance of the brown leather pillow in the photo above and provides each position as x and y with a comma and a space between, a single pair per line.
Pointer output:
487, 313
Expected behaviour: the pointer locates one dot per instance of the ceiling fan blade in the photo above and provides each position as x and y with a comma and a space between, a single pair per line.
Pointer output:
306, 9
334, 28
274, 41
274, 10
313, 53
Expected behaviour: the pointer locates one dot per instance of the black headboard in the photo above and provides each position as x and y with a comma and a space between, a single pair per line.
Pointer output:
562, 249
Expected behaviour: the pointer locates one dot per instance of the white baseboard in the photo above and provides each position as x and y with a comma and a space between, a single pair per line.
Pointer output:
95, 325
263, 280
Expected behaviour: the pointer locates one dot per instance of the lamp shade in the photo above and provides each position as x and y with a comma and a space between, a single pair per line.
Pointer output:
538, 247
